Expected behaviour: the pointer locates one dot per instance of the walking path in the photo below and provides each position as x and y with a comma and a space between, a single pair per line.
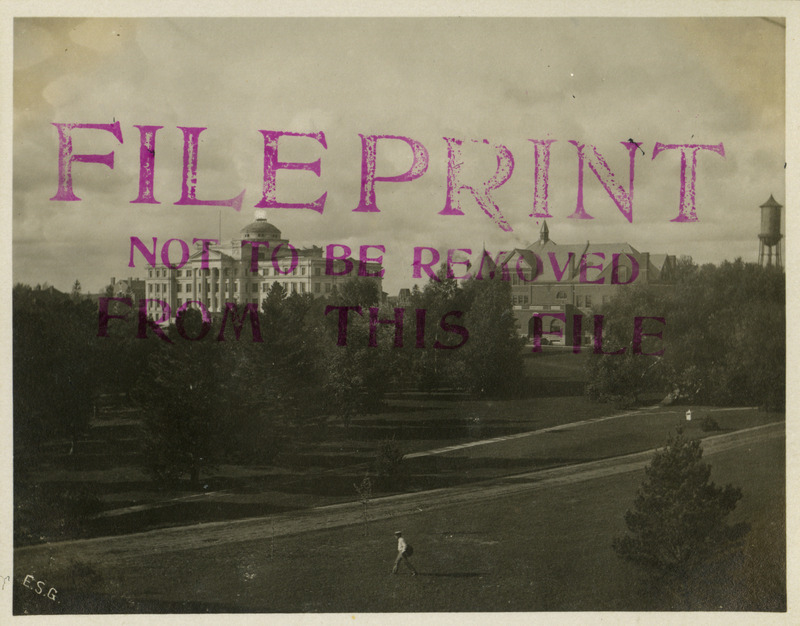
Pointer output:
531, 433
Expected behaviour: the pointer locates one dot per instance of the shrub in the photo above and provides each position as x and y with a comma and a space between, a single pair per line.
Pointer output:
388, 463
709, 424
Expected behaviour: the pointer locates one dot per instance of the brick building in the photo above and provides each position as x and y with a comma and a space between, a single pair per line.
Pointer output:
550, 279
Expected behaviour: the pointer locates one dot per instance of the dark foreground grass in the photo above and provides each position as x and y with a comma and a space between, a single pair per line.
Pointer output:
549, 550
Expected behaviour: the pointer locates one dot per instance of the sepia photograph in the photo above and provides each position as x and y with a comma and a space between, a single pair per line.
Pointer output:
398, 314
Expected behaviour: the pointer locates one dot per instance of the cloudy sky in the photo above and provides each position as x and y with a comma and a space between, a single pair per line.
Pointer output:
594, 80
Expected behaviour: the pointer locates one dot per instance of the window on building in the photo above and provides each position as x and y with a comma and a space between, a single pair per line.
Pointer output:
179, 301
327, 287
316, 287
588, 300
188, 287
178, 273
578, 300
303, 271
158, 287
317, 271
302, 287
225, 272
235, 287
254, 288
294, 272
150, 287
561, 295
150, 273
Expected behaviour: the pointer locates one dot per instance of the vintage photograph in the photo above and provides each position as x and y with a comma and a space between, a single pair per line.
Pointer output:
398, 315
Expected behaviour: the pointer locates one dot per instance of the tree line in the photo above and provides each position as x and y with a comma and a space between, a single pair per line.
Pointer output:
205, 402
723, 342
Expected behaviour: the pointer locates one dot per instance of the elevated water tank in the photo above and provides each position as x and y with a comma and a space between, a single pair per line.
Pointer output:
770, 222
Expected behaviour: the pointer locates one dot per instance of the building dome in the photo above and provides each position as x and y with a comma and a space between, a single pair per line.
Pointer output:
260, 230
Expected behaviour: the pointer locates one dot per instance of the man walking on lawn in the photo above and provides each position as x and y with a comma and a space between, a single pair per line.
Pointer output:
403, 552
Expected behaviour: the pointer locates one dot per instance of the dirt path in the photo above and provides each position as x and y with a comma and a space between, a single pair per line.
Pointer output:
120, 549
531, 433
651, 410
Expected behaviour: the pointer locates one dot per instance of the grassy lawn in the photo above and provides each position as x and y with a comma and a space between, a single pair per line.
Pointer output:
321, 467
545, 550
326, 471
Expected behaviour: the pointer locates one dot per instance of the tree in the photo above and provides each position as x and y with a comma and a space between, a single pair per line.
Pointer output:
183, 395
209, 402
388, 461
56, 370
286, 367
617, 378
357, 291
434, 368
76, 290
356, 375
492, 356
678, 517
121, 356
364, 491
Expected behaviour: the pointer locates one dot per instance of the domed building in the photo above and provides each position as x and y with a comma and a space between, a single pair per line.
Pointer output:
244, 269
261, 230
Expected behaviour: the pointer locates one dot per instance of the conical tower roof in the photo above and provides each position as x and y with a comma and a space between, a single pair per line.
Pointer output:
771, 203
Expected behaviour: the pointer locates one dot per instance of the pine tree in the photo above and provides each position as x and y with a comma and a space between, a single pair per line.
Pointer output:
678, 519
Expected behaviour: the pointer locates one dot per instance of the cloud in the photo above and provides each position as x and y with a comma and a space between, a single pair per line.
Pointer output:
599, 81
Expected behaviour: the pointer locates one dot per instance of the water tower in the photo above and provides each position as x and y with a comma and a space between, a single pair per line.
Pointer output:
769, 239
